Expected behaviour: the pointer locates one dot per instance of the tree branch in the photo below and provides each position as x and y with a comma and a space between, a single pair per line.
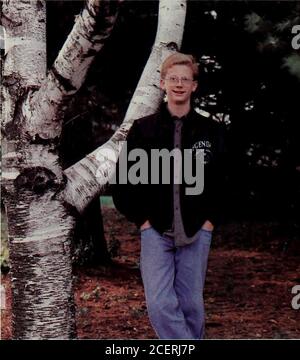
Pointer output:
92, 27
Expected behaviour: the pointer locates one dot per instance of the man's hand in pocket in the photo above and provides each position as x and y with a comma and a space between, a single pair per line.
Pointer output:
208, 226
146, 225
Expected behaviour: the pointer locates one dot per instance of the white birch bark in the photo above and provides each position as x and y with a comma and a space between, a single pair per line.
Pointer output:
40, 223
88, 177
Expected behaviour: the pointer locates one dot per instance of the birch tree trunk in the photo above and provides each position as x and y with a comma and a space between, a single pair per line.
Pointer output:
40, 198
40, 223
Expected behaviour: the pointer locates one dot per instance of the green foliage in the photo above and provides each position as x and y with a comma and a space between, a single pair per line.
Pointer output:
253, 22
292, 62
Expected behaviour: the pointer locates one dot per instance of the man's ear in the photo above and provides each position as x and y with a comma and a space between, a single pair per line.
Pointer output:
162, 84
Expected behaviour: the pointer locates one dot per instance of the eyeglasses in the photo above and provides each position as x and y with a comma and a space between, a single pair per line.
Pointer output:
175, 80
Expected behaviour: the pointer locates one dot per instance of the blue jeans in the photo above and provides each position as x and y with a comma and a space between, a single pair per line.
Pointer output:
173, 281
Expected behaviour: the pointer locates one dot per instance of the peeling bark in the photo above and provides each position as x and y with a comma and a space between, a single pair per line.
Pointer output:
89, 177
39, 240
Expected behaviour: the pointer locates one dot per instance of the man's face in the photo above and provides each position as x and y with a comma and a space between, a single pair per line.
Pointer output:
178, 84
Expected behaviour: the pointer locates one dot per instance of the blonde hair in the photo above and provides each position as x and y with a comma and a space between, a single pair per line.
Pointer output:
179, 59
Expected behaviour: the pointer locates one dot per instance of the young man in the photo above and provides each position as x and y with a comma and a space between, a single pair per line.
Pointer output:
176, 227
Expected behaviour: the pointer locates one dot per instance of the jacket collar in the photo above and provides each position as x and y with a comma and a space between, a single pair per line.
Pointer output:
167, 117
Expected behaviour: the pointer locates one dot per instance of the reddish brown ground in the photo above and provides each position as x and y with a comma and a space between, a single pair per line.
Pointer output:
247, 294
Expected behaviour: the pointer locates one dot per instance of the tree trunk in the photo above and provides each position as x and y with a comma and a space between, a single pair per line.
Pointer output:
39, 226
89, 243
40, 199
40, 223
98, 252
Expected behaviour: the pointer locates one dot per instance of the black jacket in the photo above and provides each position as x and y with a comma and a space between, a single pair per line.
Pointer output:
154, 202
